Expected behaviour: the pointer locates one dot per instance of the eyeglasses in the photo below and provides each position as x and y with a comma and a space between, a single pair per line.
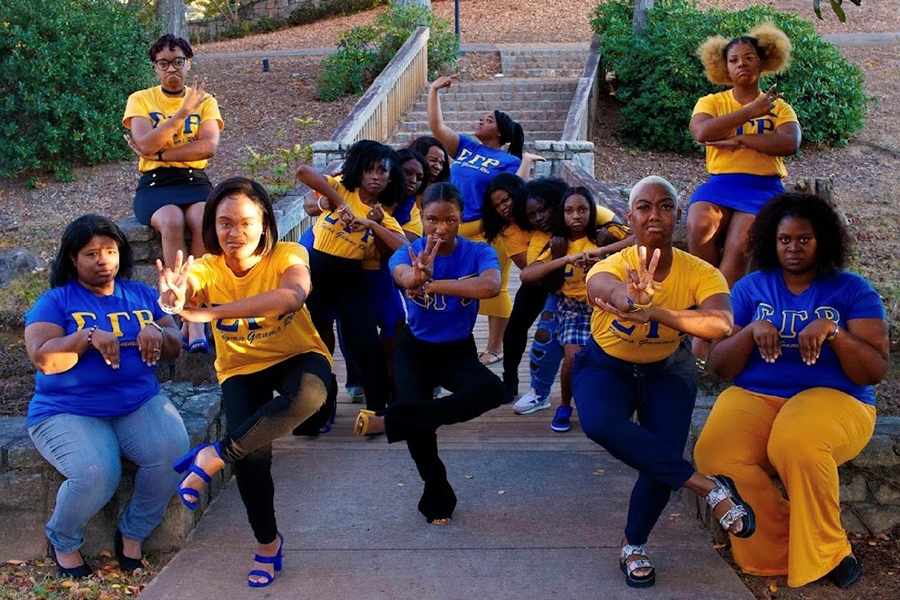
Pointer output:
163, 64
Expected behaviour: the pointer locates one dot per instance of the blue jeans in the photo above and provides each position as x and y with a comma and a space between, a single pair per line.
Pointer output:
88, 452
608, 391
546, 352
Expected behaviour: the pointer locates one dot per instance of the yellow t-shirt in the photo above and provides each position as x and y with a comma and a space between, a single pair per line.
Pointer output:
690, 281
250, 345
152, 104
373, 258
574, 285
536, 245
745, 160
333, 237
515, 239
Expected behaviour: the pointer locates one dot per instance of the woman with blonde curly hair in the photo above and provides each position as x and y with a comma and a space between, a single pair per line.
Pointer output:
746, 133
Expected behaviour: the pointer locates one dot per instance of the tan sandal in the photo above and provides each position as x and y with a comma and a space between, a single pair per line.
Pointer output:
441, 522
366, 421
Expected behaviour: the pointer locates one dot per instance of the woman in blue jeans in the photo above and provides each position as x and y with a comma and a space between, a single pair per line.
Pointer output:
648, 297
95, 338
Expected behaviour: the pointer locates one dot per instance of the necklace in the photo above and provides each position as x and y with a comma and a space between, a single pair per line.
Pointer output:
173, 94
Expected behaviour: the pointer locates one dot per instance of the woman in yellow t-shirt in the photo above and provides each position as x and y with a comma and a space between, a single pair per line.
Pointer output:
746, 133
253, 289
648, 297
174, 131
351, 225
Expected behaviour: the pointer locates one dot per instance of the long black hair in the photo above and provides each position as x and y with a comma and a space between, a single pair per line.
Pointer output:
76, 236
833, 247
590, 229
240, 186
546, 190
422, 145
492, 223
362, 157
510, 133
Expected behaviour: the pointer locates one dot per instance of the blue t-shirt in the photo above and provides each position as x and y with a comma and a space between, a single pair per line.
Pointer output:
841, 298
403, 210
473, 168
91, 387
442, 318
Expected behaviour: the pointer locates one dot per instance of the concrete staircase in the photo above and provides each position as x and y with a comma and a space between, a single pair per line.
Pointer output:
536, 90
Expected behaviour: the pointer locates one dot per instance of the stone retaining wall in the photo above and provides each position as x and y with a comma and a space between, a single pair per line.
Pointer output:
870, 484
28, 484
212, 28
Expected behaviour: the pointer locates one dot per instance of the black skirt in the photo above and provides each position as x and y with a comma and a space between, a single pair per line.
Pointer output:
169, 185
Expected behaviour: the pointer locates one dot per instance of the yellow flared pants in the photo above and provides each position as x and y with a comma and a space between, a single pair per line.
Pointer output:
804, 439
500, 305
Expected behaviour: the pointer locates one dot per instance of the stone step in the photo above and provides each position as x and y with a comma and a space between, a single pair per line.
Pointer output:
541, 71
402, 138
521, 115
510, 105
471, 124
506, 83
543, 61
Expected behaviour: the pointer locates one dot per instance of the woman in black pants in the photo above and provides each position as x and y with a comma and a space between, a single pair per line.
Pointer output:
352, 224
444, 276
252, 289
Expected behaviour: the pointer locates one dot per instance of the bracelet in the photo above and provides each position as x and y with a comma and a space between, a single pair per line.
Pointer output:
90, 336
169, 310
634, 306
319, 204
159, 155
834, 333
157, 325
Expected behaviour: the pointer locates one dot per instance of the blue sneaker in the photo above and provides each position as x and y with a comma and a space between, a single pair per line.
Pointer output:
561, 421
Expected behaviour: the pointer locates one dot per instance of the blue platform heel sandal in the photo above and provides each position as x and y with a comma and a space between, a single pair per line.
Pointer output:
187, 465
275, 561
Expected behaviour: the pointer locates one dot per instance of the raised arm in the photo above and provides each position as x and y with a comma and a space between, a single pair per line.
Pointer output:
330, 199
484, 286
537, 270
448, 137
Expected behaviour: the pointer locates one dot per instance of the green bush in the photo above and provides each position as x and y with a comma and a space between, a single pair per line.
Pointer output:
365, 51
659, 77
68, 68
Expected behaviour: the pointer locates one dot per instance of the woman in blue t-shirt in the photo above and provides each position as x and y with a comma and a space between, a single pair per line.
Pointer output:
810, 342
95, 338
475, 163
444, 275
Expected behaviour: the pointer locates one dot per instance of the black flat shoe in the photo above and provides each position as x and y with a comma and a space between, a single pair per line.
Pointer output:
78, 572
846, 573
126, 563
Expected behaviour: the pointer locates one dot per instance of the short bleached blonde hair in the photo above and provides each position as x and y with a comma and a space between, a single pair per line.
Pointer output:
770, 42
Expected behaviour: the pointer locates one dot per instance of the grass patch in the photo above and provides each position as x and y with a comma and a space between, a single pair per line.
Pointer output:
19, 296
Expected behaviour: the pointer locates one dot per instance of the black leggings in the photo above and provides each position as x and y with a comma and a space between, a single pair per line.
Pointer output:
415, 416
337, 283
255, 419
529, 301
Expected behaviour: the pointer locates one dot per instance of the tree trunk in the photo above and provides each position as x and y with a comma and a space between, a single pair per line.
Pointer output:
170, 14
425, 3
641, 16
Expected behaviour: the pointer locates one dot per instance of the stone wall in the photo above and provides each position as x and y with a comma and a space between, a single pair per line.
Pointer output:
212, 28
28, 484
870, 483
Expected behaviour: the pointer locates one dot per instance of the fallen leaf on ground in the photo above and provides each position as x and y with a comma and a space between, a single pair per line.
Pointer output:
501, 492
599, 472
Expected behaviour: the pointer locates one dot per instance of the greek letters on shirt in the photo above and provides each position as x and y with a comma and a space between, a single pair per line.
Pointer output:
88, 319
792, 322
231, 330
438, 302
192, 121
344, 233
476, 161
756, 126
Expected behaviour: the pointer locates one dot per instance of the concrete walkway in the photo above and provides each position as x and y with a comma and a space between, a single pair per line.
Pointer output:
540, 515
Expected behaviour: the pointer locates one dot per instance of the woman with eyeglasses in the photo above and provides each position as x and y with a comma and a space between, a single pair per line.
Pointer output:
174, 131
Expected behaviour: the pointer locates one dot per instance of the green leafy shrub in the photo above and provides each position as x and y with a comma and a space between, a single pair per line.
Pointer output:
365, 51
659, 77
275, 170
68, 68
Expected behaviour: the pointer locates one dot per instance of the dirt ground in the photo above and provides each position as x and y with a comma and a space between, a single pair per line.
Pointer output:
260, 111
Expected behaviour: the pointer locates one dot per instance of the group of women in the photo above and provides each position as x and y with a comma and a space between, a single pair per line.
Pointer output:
397, 256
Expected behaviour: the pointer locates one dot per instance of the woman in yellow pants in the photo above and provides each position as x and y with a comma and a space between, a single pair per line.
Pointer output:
809, 343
